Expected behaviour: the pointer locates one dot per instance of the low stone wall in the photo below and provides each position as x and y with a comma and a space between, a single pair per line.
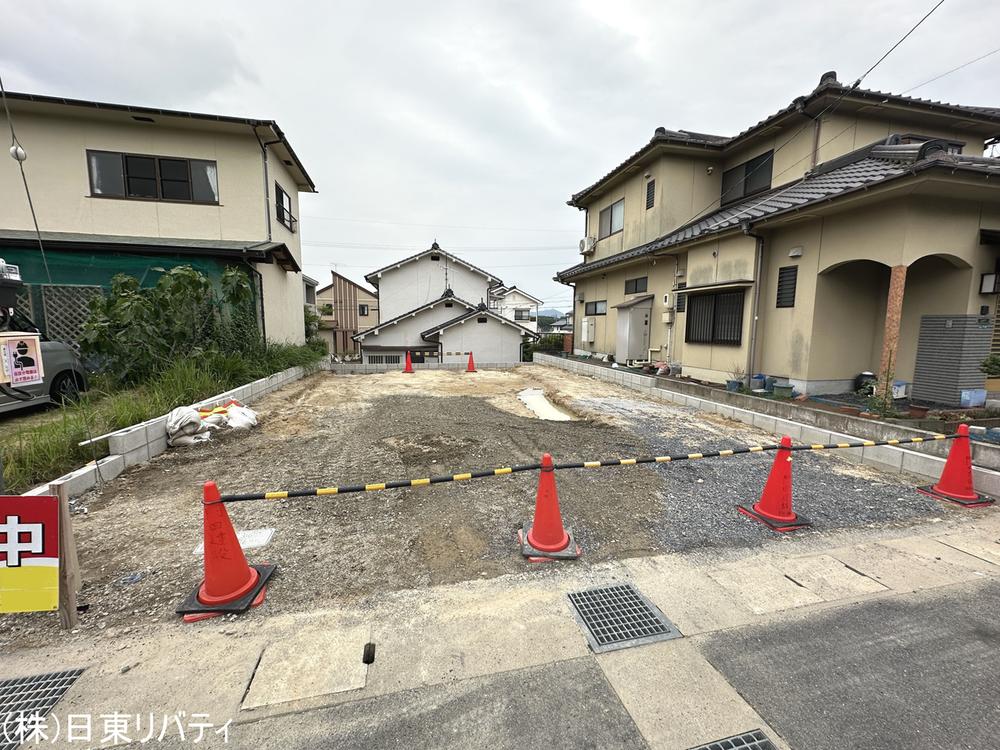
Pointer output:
357, 368
799, 423
139, 443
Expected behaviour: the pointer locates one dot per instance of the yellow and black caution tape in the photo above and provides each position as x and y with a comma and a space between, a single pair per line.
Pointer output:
402, 483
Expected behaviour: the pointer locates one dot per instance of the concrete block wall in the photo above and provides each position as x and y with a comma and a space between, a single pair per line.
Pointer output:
891, 459
139, 443
351, 368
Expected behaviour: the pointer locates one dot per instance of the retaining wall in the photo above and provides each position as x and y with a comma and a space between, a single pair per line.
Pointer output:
805, 425
139, 443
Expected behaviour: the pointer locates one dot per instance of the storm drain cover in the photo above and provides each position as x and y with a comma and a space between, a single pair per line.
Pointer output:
30, 696
619, 616
755, 740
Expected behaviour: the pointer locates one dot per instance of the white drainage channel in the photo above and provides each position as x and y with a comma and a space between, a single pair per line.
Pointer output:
534, 399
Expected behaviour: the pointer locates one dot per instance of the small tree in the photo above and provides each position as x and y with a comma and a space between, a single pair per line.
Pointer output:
138, 332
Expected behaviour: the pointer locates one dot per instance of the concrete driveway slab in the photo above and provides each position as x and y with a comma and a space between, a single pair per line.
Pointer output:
676, 698
314, 661
893, 672
828, 578
900, 570
979, 545
564, 705
940, 548
762, 586
693, 601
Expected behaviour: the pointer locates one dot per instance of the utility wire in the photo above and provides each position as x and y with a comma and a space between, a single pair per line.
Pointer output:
435, 226
15, 144
953, 70
893, 47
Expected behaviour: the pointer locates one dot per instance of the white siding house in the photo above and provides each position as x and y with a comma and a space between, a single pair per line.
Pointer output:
517, 305
431, 305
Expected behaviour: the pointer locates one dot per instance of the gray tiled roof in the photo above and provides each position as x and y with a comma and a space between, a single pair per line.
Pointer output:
474, 314
838, 177
828, 86
372, 278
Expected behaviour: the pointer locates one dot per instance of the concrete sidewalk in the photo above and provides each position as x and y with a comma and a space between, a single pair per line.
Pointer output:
862, 638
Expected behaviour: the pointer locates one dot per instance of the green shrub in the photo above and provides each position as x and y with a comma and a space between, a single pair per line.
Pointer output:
161, 348
991, 366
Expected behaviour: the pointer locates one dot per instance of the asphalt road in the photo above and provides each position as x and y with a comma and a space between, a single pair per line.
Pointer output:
919, 671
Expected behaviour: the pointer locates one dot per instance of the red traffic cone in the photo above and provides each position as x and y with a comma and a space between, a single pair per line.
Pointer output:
774, 509
409, 364
955, 484
230, 585
546, 539
472, 364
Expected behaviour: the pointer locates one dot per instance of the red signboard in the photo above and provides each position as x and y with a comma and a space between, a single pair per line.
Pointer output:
29, 553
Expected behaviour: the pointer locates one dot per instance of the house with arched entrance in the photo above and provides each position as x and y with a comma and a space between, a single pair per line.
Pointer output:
852, 231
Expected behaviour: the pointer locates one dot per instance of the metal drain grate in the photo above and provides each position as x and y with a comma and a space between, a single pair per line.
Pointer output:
755, 740
29, 696
619, 617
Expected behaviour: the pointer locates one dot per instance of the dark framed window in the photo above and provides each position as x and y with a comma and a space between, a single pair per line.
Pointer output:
611, 220
522, 314
750, 177
681, 304
715, 318
283, 207
787, 278
650, 194
157, 178
482, 320
598, 307
362, 310
635, 286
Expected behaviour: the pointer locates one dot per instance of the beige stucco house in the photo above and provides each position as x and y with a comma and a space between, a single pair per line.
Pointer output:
345, 309
119, 188
434, 305
853, 230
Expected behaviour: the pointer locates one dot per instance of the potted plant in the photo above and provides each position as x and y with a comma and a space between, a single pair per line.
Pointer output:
737, 379
991, 367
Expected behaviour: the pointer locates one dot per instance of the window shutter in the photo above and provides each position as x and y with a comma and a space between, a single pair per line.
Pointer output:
650, 194
787, 277
681, 303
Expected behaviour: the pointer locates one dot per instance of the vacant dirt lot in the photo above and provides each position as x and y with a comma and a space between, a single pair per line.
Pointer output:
137, 536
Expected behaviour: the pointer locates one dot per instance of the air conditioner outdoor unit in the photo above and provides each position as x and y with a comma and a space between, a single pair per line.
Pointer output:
668, 316
587, 330
587, 245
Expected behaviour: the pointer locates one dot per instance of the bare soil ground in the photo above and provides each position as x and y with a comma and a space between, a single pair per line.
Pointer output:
138, 533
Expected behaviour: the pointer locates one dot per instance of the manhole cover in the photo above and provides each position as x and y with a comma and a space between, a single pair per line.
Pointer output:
30, 696
755, 740
619, 617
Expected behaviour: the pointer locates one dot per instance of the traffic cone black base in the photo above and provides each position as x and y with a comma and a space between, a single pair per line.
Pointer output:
800, 521
980, 501
571, 552
192, 606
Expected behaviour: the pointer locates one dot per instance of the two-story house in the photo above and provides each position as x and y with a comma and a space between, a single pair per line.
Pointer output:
345, 309
516, 304
851, 231
434, 305
124, 189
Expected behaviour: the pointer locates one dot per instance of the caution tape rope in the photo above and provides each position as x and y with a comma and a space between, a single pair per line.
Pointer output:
402, 483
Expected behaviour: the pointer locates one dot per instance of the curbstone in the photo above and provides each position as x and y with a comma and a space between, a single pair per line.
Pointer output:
76, 482
136, 456
127, 440
884, 457
110, 467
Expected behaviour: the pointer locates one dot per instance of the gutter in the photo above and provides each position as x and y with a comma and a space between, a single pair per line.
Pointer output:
755, 306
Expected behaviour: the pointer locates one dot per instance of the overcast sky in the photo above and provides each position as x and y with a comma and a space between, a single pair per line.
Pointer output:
473, 122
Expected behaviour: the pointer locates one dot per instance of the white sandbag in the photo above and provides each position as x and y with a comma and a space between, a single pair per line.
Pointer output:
184, 420
182, 439
242, 417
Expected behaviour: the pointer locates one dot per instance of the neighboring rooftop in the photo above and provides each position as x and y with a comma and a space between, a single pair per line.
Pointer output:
861, 169
479, 311
435, 249
146, 115
829, 87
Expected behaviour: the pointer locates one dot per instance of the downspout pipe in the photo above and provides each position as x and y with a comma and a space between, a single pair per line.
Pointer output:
267, 179
746, 226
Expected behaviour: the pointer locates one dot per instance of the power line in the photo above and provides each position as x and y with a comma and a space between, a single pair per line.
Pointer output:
893, 47
953, 70
19, 155
435, 226
410, 247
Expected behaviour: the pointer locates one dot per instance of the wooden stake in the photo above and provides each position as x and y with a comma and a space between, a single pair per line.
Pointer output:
69, 565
